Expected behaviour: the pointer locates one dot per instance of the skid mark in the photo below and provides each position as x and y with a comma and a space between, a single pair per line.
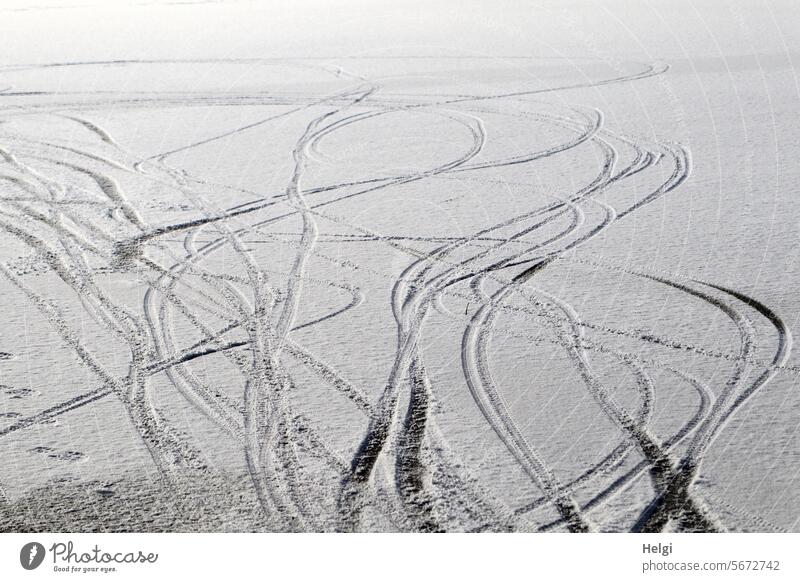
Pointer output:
238, 279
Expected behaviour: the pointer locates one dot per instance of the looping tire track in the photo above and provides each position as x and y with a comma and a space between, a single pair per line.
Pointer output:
409, 491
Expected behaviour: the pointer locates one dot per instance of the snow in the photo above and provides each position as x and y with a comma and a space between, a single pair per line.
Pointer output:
353, 266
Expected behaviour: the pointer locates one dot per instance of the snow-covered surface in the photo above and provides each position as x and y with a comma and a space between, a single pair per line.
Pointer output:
399, 266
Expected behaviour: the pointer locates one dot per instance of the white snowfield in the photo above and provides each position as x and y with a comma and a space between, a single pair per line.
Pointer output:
441, 267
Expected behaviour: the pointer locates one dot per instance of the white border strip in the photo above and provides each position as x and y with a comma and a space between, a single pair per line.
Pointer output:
405, 557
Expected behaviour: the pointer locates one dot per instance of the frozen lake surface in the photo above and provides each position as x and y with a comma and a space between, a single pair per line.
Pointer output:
450, 266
